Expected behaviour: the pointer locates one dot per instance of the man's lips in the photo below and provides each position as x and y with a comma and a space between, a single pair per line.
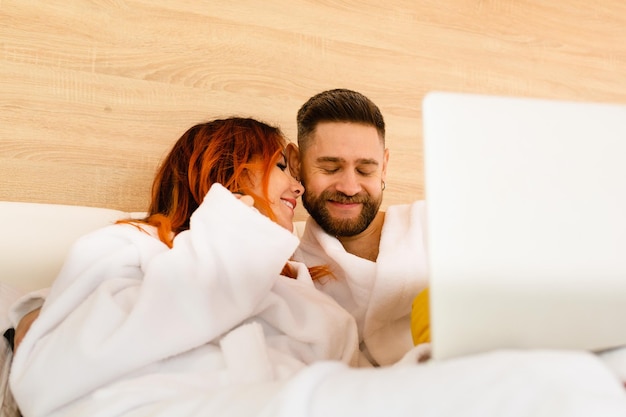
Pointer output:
343, 206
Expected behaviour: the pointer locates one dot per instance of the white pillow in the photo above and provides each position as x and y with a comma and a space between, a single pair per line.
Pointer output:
37, 237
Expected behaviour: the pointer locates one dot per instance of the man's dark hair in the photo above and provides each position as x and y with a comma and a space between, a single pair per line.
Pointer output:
338, 105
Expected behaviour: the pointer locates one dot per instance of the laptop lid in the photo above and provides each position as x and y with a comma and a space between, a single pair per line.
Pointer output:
526, 217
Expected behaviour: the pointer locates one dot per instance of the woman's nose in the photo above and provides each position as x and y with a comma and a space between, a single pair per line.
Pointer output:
298, 189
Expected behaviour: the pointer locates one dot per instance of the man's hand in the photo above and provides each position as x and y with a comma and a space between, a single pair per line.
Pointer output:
23, 326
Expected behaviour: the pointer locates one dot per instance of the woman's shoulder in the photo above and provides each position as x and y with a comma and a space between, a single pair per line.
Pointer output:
114, 238
128, 231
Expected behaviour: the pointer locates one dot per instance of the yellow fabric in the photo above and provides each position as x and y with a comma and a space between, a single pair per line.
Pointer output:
420, 318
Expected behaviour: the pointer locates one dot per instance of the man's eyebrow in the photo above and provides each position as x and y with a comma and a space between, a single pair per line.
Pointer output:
336, 159
333, 159
367, 161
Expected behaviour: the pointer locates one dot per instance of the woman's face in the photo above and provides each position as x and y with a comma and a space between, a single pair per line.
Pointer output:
283, 190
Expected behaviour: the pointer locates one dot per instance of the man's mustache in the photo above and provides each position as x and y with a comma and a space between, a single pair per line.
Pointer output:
345, 199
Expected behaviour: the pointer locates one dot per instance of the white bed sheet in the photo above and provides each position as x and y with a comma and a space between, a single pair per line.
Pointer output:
498, 384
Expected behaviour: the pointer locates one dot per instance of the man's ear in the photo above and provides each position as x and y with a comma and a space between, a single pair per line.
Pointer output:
385, 162
292, 154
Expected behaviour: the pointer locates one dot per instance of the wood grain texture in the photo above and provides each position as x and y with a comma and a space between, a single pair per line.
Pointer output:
94, 92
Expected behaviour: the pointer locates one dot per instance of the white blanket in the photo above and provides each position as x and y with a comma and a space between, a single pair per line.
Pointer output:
501, 384
130, 322
378, 294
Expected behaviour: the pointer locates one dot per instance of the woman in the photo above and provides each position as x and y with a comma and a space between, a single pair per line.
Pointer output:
199, 297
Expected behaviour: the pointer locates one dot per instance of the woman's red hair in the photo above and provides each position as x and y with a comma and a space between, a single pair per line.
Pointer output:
220, 151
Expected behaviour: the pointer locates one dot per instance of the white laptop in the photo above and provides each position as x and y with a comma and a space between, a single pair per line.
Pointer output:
526, 209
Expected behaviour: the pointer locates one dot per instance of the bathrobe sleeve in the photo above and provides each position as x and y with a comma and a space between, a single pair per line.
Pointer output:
124, 300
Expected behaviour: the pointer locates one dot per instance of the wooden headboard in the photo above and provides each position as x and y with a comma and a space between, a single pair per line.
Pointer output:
94, 92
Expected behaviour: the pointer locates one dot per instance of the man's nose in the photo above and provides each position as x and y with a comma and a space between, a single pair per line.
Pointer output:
349, 184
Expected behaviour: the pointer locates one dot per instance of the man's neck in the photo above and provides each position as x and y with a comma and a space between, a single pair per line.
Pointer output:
365, 244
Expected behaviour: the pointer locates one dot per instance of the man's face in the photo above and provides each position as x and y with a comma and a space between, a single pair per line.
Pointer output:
342, 172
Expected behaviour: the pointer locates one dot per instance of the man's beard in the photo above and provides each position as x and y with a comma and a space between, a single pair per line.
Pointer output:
316, 206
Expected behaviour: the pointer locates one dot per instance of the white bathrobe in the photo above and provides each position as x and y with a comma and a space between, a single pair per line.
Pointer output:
378, 294
130, 323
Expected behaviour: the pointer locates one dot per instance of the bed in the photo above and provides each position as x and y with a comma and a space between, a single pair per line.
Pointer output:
502, 383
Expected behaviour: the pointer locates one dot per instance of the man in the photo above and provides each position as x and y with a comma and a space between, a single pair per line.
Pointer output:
378, 258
